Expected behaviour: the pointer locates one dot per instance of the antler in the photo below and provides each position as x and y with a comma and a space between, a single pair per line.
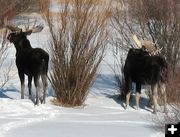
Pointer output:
27, 30
35, 29
137, 41
38, 28
149, 45
13, 28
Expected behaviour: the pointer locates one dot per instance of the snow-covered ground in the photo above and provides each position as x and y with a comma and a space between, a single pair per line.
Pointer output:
102, 116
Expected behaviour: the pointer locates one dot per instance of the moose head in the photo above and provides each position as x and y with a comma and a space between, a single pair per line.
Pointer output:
147, 45
17, 33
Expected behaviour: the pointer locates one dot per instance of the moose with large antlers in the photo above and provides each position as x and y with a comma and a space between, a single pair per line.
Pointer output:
30, 61
144, 67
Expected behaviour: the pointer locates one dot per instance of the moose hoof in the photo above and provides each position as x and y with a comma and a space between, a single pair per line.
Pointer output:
126, 107
42, 100
37, 103
137, 108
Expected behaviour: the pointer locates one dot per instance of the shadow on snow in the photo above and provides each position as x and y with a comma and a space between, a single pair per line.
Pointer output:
106, 85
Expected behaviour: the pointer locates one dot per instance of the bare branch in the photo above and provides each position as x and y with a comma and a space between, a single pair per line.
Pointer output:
78, 36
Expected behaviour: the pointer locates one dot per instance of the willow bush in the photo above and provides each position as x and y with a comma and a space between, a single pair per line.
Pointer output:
78, 35
5, 66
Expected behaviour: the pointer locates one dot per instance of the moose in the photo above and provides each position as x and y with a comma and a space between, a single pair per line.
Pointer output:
32, 62
142, 68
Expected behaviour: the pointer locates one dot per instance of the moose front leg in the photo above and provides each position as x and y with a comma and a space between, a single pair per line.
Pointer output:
21, 76
128, 95
44, 81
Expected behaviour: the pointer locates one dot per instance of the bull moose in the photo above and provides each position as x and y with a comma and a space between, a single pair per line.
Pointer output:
142, 68
30, 61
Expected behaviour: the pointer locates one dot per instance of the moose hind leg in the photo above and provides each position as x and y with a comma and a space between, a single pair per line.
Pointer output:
21, 76
163, 91
30, 86
155, 96
138, 94
37, 86
44, 81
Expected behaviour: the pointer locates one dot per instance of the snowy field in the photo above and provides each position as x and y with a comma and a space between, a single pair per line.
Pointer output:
103, 115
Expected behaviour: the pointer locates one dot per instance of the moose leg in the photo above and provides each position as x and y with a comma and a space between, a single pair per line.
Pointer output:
37, 85
44, 81
29, 86
21, 76
127, 91
138, 94
128, 95
163, 90
155, 96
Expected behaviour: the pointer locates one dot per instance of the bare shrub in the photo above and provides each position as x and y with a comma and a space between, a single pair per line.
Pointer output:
122, 29
118, 69
10, 8
173, 99
44, 6
173, 88
78, 37
160, 20
5, 70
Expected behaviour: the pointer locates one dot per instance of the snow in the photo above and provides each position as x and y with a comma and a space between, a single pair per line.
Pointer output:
103, 115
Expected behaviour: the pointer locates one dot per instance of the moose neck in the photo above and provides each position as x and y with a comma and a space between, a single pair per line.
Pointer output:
22, 45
